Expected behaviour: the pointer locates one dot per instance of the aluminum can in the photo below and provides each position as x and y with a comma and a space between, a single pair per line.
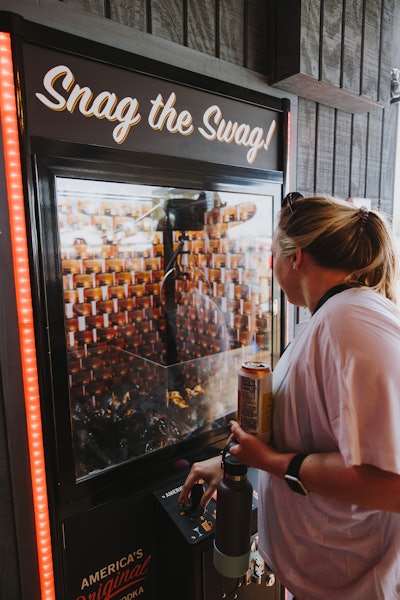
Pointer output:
255, 399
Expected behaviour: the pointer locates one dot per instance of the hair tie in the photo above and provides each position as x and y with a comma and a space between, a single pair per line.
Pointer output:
363, 213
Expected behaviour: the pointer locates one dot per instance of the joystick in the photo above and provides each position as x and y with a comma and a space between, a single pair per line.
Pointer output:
194, 509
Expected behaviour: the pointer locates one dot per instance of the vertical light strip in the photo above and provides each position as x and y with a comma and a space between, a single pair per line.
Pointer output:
289, 150
290, 312
9, 125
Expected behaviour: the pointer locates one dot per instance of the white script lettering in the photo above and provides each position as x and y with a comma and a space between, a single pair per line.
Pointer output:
239, 133
104, 106
165, 114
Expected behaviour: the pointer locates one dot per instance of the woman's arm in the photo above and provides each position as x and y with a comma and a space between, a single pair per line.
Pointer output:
365, 485
324, 474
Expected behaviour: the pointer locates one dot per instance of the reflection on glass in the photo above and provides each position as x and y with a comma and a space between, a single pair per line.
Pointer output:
166, 292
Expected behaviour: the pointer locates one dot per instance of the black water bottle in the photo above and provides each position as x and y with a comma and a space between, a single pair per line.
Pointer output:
233, 518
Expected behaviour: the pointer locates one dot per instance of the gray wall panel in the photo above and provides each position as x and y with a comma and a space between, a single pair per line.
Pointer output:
342, 155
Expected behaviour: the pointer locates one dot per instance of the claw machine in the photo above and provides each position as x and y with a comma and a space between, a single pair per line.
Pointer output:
137, 211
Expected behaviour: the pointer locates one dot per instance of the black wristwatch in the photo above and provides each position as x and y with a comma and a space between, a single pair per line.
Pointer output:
292, 476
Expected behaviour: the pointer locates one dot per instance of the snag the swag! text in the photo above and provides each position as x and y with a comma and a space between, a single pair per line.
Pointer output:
125, 111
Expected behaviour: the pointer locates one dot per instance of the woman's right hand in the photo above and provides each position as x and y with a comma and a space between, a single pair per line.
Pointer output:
209, 471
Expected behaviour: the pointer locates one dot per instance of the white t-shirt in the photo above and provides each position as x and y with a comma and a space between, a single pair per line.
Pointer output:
336, 387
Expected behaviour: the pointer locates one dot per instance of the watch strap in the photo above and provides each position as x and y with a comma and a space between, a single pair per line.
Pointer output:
295, 464
292, 475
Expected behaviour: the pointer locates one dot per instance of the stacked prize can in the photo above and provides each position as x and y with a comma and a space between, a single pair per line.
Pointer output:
255, 399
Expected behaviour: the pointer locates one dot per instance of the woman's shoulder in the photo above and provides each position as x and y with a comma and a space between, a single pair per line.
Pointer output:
359, 310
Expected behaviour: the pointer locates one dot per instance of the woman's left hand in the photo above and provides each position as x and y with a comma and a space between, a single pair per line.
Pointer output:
250, 450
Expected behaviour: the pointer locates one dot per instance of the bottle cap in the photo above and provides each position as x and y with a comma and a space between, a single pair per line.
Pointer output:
233, 467
230, 463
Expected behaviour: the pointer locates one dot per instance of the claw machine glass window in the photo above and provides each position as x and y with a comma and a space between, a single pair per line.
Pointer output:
166, 292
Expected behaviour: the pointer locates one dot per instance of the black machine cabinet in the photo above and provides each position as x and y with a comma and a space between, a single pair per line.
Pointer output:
148, 197
144, 544
108, 550
184, 553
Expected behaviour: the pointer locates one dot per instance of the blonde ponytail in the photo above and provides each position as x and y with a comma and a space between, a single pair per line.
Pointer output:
339, 235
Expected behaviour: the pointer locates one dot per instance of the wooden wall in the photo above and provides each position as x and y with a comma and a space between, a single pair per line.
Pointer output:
233, 30
344, 43
346, 154
339, 62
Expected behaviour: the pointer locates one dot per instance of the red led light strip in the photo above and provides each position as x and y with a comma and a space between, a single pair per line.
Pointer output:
9, 126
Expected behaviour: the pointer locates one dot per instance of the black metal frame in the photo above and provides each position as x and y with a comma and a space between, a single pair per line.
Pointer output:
49, 313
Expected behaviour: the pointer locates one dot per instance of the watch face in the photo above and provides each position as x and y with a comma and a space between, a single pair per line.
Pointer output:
296, 485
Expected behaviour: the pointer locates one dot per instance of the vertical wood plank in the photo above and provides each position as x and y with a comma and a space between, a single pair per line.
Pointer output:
93, 6
389, 127
201, 26
310, 37
324, 149
231, 32
395, 5
390, 31
374, 149
167, 20
352, 45
331, 41
342, 156
129, 12
305, 168
257, 36
358, 155
370, 57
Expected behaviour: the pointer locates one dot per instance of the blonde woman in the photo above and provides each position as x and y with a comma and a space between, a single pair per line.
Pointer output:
329, 485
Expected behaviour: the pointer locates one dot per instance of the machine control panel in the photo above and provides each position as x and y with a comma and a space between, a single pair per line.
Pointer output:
195, 522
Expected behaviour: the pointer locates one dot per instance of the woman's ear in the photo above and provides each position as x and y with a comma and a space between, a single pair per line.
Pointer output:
297, 259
